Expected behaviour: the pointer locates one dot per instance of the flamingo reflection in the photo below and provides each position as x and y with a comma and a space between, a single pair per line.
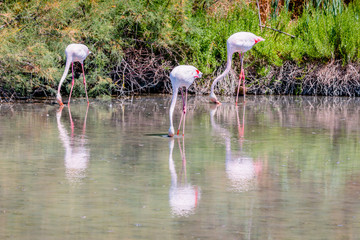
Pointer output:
76, 153
183, 197
241, 170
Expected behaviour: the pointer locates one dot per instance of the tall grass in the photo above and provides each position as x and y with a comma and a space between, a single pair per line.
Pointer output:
34, 34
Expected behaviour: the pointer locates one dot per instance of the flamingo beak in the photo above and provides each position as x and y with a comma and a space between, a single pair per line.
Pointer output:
199, 74
259, 39
59, 101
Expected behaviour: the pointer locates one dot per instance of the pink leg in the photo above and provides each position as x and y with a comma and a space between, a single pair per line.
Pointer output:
82, 66
237, 94
184, 107
241, 77
183, 113
72, 82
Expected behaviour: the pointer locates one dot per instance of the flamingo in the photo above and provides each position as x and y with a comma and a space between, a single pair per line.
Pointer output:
74, 53
181, 76
240, 42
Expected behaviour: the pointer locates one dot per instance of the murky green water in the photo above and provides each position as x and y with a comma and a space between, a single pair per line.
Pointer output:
274, 168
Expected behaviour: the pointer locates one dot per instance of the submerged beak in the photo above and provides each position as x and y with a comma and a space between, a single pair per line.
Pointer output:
60, 102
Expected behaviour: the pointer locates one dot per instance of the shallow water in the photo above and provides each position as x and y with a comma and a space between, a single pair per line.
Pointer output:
272, 168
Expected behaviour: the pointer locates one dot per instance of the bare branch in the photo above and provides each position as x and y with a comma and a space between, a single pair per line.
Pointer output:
276, 30
257, 2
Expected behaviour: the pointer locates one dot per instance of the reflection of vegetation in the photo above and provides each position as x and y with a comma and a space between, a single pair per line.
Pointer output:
132, 42
311, 136
309, 147
310, 176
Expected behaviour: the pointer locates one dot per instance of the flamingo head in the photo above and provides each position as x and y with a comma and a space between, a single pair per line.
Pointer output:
198, 74
59, 99
259, 39
214, 99
171, 132
88, 52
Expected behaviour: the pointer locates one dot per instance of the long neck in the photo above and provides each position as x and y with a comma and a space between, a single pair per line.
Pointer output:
172, 107
227, 69
67, 66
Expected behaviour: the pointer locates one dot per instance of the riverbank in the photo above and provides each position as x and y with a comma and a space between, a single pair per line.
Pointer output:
135, 47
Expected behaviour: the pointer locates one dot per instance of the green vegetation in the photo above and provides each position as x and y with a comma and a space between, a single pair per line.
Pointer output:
163, 33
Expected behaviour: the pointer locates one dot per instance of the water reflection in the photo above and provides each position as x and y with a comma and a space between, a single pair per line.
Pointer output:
308, 147
77, 154
241, 169
183, 197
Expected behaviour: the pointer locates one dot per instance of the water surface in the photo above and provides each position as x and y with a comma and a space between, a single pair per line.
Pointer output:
271, 168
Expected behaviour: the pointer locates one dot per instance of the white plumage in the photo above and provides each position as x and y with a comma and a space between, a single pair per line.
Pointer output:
74, 53
181, 76
240, 42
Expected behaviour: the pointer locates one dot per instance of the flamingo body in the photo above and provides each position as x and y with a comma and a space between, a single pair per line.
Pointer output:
74, 53
240, 42
181, 76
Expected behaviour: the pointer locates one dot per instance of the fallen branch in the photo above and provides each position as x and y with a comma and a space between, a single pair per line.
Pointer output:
276, 30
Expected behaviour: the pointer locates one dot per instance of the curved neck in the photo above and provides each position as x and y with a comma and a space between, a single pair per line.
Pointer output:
227, 69
67, 66
172, 106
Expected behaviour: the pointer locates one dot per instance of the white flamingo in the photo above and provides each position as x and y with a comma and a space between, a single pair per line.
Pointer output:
181, 76
240, 42
74, 53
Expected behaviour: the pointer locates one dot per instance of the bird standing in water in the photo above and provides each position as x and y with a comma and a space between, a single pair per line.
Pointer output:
74, 53
240, 42
181, 76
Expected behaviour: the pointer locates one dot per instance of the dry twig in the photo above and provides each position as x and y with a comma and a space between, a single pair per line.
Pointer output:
276, 30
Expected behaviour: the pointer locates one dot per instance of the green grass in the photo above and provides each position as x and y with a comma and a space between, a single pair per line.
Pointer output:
34, 34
